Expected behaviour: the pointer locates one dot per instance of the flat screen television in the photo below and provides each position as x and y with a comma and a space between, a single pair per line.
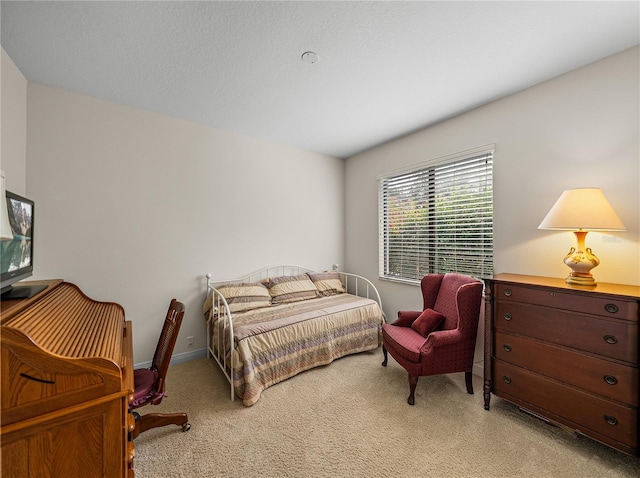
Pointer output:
16, 253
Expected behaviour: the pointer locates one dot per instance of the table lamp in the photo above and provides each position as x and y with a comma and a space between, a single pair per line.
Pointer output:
582, 210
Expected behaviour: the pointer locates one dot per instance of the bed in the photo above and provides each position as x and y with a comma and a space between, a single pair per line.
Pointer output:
274, 323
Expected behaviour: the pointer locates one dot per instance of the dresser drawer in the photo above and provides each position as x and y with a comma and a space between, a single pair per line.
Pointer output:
578, 302
585, 411
601, 336
609, 379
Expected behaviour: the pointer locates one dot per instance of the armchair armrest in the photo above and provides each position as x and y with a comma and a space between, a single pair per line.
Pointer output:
449, 344
441, 338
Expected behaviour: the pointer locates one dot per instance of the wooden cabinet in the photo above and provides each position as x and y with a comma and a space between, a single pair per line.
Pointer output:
67, 380
566, 353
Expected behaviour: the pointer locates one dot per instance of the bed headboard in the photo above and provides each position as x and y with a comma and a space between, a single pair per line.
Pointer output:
354, 284
257, 276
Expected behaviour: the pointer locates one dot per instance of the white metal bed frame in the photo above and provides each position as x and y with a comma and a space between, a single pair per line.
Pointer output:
354, 284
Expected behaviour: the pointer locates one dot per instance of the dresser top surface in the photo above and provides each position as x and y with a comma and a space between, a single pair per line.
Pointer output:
600, 288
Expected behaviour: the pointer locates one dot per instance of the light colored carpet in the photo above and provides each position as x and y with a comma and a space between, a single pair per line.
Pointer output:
351, 419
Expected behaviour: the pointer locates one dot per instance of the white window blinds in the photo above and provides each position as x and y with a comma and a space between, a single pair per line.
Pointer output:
438, 217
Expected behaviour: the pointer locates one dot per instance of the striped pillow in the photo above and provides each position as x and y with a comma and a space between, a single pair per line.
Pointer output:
241, 297
327, 283
286, 289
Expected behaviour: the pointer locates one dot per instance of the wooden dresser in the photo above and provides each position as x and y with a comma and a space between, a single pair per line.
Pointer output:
67, 380
568, 354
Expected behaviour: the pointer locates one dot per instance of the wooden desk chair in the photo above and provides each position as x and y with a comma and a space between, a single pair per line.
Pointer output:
150, 382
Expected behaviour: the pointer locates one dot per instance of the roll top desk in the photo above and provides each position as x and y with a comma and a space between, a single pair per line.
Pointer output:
67, 380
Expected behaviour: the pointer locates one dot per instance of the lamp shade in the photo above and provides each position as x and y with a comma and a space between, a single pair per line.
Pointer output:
584, 208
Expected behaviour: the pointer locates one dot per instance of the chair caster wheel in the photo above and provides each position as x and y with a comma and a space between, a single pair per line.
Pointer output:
186, 427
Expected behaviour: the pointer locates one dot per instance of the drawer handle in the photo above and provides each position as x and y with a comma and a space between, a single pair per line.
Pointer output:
507, 317
508, 292
611, 308
611, 420
506, 379
610, 339
507, 347
610, 379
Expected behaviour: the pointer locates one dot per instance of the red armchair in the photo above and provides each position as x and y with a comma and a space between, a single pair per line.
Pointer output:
441, 338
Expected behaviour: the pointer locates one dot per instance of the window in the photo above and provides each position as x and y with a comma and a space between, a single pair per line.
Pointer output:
438, 217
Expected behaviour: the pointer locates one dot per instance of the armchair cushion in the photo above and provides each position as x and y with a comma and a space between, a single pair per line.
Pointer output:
428, 321
406, 318
403, 340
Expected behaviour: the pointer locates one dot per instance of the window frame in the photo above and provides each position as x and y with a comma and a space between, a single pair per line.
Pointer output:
429, 180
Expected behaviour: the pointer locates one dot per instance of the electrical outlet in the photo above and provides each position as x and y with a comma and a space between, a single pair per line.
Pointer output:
190, 341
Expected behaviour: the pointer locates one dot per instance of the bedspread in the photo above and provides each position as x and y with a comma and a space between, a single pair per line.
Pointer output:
275, 343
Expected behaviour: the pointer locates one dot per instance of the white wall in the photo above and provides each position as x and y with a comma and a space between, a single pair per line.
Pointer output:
578, 130
136, 207
13, 125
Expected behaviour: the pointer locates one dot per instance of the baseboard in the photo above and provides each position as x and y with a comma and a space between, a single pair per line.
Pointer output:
478, 367
178, 358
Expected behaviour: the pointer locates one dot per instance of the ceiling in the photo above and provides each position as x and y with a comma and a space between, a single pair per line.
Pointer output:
385, 69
